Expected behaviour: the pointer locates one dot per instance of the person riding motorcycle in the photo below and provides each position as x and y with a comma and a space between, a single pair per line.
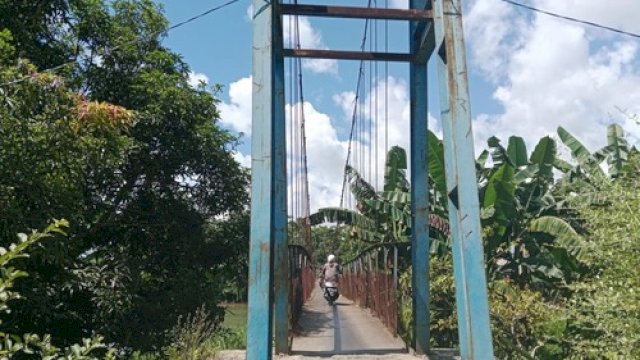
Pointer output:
329, 279
330, 271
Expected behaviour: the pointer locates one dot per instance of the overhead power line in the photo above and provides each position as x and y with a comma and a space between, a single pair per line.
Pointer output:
182, 23
584, 22
207, 12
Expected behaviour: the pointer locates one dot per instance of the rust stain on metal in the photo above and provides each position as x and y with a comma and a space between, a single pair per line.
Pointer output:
373, 287
348, 55
356, 12
302, 282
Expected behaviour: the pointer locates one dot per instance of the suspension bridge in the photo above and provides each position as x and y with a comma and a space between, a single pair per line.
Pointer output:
286, 312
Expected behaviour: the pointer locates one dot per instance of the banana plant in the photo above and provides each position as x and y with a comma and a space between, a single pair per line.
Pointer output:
587, 165
525, 240
385, 216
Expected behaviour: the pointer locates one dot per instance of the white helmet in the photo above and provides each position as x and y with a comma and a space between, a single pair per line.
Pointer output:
331, 258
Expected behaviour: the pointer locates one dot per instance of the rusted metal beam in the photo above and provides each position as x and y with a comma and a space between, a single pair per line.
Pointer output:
348, 55
355, 12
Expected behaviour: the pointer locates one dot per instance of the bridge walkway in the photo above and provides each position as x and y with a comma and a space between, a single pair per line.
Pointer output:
342, 329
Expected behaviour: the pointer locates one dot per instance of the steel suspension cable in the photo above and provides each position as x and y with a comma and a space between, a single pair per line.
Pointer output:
291, 210
370, 122
386, 86
376, 107
306, 211
354, 114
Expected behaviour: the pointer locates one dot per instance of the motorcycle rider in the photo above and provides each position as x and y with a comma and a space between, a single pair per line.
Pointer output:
330, 271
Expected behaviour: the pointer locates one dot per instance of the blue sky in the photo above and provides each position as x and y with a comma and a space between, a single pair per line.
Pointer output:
529, 74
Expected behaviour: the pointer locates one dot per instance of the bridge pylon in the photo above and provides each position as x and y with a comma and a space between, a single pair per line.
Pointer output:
435, 34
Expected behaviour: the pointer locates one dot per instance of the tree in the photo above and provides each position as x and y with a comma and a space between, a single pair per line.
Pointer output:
137, 163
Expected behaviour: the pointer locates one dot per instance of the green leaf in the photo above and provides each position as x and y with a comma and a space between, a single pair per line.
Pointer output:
342, 216
544, 155
360, 188
562, 165
581, 154
500, 195
395, 177
435, 157
498, 152
618, 149
517, 151
503, 178
553, 226
528, 172
578, 151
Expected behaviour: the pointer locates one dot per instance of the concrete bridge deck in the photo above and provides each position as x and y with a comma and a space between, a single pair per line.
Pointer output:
343, 331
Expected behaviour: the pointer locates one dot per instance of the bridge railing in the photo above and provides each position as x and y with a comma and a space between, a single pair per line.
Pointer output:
371, 280
302, 280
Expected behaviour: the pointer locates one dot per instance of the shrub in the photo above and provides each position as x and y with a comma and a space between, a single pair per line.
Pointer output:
14, 345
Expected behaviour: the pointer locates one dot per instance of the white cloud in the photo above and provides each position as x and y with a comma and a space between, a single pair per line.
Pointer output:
550, 72
491, 27
236, 114
309, 38
242, 159
621, 14
196, 78
326, 150
326, 156
390, 119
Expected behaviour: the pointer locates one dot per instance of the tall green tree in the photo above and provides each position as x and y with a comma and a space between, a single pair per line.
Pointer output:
136, 162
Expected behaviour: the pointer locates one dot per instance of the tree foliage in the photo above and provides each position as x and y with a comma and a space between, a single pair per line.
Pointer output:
120, 144
18, 345
604, 311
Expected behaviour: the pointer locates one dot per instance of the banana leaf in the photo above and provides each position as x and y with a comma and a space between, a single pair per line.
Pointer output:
498, 152
544, 155
517, 151
435, 158
342, 216
395, 177
618, 149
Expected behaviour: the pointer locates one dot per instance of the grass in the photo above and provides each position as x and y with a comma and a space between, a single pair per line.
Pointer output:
235, 317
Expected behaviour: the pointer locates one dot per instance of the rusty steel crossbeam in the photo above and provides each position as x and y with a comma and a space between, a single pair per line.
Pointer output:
348, 55
356, 12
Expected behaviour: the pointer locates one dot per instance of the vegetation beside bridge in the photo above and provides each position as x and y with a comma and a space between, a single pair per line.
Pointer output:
558, 246
116, 141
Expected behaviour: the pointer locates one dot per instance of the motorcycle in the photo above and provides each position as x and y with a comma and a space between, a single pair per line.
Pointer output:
331, 293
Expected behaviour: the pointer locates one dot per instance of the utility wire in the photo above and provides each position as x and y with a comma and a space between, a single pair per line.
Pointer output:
182, 23
572, 19
207, 12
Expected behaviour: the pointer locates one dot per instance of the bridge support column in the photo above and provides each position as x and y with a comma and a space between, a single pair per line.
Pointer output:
268, 265
419, 191
464, 214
